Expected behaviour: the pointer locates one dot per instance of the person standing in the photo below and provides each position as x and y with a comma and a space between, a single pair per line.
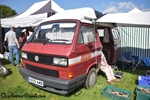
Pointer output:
23, 37
26, 33
106, 68
13, 46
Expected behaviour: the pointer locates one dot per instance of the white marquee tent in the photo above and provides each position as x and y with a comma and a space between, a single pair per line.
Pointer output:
37, 12
134, 18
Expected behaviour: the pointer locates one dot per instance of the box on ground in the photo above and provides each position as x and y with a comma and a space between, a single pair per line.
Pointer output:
144, 81
142, 93
116, 93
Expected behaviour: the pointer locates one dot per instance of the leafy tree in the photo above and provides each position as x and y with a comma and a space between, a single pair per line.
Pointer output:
6, 11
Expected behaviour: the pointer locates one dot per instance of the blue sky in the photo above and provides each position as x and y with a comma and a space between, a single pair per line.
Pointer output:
105, 6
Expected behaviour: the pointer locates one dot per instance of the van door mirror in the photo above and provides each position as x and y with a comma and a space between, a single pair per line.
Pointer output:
89, 45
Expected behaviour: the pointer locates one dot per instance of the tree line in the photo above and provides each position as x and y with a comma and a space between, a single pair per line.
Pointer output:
6, 11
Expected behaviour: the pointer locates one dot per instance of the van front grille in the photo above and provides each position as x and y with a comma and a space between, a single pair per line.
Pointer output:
43, 59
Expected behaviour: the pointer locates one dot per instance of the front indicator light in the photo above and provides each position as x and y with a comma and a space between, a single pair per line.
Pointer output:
70, 74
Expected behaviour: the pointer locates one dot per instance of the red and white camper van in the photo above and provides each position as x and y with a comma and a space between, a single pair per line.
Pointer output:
64, 51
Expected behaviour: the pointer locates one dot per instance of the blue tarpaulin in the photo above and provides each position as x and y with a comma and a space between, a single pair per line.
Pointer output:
146, 61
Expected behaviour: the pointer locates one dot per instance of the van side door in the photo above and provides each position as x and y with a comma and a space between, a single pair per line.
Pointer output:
110, 40
116, 44
85, 48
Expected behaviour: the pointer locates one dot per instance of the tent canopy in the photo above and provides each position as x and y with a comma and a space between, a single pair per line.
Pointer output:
37, 12
31, 20
134, 18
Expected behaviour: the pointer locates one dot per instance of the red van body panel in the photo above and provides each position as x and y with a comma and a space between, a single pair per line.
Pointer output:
40, 60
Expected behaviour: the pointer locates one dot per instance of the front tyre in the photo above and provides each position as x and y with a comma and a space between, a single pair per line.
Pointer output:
3, 71
91, 78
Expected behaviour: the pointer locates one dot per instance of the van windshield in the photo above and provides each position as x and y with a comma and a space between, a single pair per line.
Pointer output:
54, 33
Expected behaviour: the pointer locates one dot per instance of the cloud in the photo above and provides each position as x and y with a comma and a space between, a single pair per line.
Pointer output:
114, 7
127, 6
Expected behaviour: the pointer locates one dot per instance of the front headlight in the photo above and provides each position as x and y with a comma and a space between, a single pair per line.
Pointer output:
60, 61
24, 55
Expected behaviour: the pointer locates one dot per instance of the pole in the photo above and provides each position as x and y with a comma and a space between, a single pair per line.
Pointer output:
51, 7
1, 39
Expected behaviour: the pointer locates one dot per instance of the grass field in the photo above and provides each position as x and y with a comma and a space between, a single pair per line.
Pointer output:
14, 85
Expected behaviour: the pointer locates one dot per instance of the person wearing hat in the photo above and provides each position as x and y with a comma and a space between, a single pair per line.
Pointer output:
23, 37
13, 46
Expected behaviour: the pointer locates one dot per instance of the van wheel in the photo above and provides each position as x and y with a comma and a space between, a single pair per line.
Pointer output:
91, 78
3, 71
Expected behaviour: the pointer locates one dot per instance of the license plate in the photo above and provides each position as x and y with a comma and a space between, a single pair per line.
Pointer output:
35, 81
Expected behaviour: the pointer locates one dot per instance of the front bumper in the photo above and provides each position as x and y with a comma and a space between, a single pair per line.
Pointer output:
53, 84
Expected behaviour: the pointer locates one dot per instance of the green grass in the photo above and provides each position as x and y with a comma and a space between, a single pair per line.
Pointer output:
14, 84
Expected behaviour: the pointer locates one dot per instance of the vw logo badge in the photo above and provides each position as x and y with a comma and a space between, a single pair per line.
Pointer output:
36, 58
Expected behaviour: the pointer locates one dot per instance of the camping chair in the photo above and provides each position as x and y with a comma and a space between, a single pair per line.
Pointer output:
129, 59
136, 62
146, 62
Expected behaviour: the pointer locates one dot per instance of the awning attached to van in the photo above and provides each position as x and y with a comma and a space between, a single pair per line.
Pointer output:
130, 19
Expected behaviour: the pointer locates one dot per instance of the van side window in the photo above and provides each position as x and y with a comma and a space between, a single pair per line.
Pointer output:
104, 35
115, 33
101, 32
84, 32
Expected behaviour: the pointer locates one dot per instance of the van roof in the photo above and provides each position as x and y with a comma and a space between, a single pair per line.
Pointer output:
85, 14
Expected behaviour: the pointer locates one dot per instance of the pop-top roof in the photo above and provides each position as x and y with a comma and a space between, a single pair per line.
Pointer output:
82, 14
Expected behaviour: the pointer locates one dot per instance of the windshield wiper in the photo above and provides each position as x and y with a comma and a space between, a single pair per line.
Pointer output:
47, 41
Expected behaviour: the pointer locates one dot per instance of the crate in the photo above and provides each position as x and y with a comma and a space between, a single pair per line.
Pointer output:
146, 84
111, 92
144, 78
144, 81
141, 95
